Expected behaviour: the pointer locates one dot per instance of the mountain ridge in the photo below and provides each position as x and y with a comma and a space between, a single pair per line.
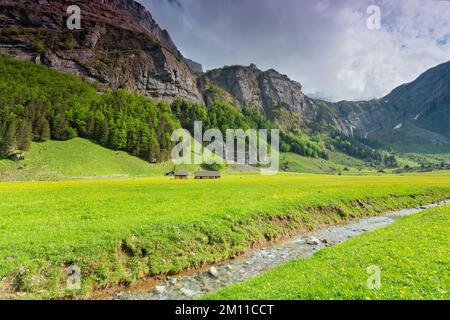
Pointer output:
423, 103
121, 46
420, 105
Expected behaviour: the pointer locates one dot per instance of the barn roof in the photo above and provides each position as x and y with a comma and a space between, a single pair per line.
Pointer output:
181, 173
207, 174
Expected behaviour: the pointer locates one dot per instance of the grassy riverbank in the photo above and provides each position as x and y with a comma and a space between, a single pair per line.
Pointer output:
412, 255
118, 231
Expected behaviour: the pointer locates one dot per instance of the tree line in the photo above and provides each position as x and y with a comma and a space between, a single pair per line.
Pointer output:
38, 104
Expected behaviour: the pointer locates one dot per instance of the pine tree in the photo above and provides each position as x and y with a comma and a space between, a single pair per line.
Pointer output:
23, 135
60, 128
41, 128
45, 131
8, 141
102, 129
90, 125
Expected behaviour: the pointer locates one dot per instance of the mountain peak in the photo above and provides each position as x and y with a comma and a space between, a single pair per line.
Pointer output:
119, 45
263, 90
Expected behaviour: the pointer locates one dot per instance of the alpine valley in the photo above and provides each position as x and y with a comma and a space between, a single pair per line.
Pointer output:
122, 60
92, 207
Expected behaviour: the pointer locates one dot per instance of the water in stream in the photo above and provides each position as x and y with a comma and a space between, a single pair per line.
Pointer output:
237, 270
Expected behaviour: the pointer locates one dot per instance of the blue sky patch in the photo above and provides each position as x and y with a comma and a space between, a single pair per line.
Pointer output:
442, 41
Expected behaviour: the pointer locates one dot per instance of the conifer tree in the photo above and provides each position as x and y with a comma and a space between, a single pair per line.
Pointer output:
23, 135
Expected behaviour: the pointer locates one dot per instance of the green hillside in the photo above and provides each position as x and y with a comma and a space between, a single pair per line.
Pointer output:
42, 110
83, 159
78, 158
38, 104
413, 139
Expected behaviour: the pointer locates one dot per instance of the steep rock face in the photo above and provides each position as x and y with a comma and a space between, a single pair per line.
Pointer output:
119, 45
271, 92
264, 90
195, 66
425, 101
420, 108
412, 114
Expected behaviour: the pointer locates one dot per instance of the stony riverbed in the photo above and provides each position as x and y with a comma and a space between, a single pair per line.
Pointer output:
221, 275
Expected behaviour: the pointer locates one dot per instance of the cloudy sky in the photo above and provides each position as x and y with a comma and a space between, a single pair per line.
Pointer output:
326, 45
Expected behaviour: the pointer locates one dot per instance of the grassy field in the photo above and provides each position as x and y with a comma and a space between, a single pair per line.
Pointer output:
338, 163
412, 255
78, 158
292, 162
417, 158
119, 231
83, 159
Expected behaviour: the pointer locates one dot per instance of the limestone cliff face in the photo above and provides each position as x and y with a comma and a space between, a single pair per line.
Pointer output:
271, 92
119, 45
420, 108
423, 103
195, 66
264, 90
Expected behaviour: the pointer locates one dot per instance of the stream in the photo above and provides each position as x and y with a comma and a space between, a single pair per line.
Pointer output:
199, 283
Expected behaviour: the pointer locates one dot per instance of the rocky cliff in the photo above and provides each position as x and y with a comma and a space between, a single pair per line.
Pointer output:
263, 90
195, 66
273, 94
413, 114
424, 102
119, 44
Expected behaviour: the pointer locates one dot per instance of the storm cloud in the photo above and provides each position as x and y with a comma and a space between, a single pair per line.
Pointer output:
325, 45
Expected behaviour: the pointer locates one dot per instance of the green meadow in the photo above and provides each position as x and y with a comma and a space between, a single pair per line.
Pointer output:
78, 158
119, 231
412, 257
84, 159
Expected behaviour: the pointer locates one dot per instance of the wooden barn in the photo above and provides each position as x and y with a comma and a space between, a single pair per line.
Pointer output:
181, 175
203, 175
